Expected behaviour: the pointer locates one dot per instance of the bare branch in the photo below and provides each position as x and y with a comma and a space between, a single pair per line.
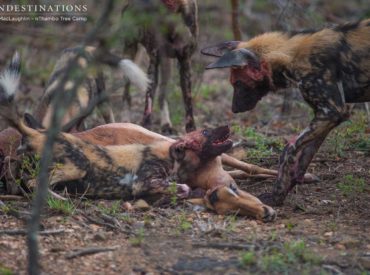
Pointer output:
61, 100
89, 251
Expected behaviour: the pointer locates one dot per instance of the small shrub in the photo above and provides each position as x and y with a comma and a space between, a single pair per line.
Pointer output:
172, 189
114, 209
139, 237
248, 258
184, 224
60, 206
351, 186
5, 270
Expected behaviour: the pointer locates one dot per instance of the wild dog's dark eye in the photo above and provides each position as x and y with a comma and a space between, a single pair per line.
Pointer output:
205, 133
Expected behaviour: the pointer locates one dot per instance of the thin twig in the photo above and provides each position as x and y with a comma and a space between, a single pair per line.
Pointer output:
104, 224
225, 246
24, 232
57, 196
10, 198
89, 251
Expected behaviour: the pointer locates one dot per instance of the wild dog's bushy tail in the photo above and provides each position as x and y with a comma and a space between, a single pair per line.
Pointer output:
9, 83
9, 80
135, 74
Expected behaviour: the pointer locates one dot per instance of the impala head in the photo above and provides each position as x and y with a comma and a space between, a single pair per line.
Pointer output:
250, 73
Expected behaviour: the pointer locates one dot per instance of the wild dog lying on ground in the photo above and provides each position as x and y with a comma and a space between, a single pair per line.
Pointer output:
134, 170
217, 188
92, 87
168, 29
331, 67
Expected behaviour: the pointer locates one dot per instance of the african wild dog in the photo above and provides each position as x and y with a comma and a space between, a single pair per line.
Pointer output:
167, 29
92, 87
331, 67
134, 170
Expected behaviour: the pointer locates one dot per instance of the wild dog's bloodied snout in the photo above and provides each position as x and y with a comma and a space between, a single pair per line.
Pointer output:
217, 142
250, 85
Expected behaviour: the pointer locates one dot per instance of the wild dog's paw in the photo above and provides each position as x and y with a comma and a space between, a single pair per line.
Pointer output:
269, 214
183, 191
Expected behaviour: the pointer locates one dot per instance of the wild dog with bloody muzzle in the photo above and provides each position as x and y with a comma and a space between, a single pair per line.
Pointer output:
113, 171
92, 87
139, 169
133, 170
331, 67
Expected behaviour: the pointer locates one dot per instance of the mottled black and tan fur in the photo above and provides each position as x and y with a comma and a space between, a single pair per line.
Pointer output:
117, 171
331, 67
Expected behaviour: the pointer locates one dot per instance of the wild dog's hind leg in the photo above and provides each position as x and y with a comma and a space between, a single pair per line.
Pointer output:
166, 69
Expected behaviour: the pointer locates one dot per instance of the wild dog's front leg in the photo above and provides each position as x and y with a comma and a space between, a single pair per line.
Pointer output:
185, 82
303, 159
326, 97
297, 155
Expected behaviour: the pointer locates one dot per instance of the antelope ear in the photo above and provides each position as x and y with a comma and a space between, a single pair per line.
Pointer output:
236, 58
219, 49
32, 122
177, 150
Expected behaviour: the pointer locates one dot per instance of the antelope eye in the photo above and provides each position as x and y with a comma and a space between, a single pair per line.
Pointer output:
233, 187
205, 133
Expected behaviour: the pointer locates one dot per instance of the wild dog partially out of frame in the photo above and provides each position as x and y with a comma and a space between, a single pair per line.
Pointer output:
134, 170
331, 67
93, 86
168, 29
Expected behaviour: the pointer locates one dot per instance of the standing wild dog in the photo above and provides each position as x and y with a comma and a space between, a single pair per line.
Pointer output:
92, 87
167, 29
135, 170
331, 67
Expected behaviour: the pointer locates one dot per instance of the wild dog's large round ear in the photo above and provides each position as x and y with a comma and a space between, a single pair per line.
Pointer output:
177, 150
220, 49
236, 58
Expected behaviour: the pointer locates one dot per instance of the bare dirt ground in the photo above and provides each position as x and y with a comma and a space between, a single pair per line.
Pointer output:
322, 228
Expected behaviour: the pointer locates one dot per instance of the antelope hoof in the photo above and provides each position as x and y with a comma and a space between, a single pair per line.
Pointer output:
269, 214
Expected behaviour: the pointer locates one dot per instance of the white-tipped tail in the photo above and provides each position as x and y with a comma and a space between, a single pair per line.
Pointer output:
10, 77
136, 75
